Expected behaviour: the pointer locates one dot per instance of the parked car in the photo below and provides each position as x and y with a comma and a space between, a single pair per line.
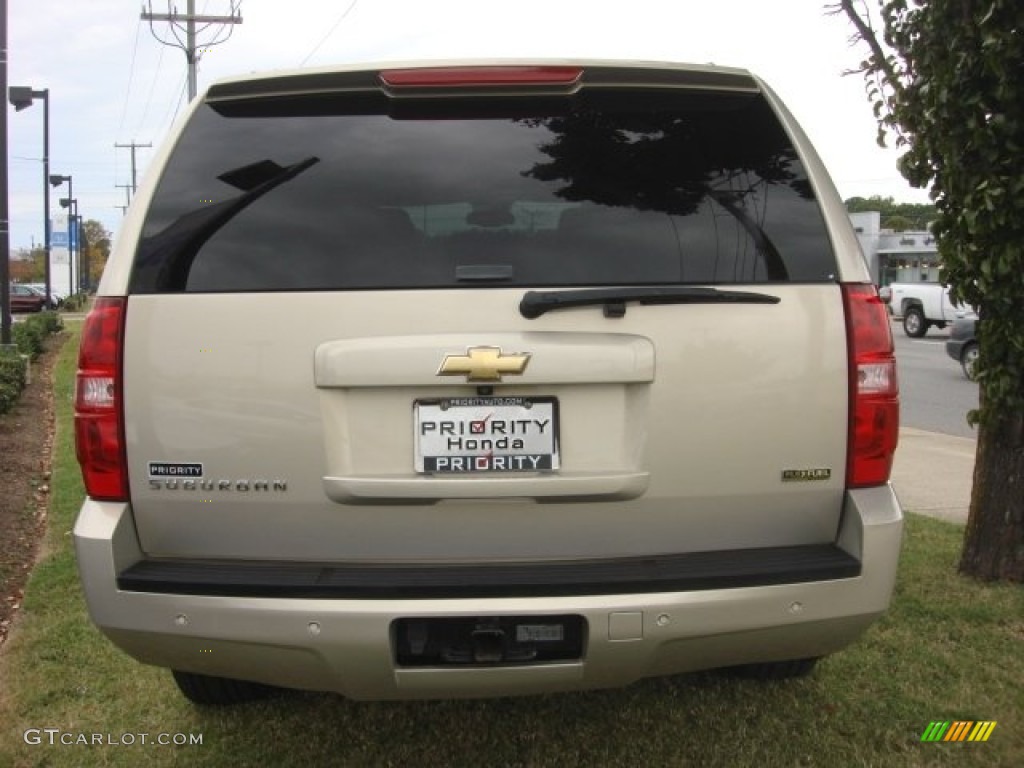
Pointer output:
24, 299
41, 292
962, 344
480, 380
56, 296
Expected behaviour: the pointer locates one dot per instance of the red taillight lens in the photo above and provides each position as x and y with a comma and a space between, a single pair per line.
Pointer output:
874, 389
467, 77
99, 420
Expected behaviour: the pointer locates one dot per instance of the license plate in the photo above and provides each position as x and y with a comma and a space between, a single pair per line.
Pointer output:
486, 434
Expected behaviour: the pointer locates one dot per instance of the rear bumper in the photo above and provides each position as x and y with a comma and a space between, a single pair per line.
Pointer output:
345, 644
955, 348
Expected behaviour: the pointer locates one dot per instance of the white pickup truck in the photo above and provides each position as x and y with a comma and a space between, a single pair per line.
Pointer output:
922, 305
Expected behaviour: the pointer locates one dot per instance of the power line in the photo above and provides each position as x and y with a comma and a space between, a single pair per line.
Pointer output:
131, 76
180, 100
330, 32
174, 104
152, 90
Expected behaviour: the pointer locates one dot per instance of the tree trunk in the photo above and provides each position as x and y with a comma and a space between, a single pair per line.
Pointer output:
994, 539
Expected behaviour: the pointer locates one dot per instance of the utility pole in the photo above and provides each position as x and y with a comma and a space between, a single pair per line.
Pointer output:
127, 196
132, 146
186, 24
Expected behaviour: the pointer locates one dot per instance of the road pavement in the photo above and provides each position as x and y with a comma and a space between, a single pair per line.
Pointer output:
933, 471
934, 393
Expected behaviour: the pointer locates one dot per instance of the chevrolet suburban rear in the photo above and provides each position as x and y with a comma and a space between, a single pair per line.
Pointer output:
457, 379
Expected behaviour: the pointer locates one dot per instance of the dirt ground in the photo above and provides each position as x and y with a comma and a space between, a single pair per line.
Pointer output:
26, 443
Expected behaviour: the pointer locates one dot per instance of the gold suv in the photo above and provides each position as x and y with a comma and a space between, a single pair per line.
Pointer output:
485, 378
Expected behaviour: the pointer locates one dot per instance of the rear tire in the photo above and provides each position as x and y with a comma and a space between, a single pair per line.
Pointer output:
968, 361
774, 670
218, 691
914, 324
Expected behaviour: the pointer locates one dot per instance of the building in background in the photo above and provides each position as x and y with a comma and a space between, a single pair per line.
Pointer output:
896, 257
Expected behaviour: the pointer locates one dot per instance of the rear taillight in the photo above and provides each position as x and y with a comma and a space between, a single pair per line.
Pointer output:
874, 389
476, 77
99, 412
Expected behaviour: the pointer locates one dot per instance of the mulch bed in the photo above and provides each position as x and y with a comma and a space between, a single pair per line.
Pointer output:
26, 451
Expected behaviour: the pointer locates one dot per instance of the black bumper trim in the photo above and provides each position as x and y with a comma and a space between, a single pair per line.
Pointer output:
630, 575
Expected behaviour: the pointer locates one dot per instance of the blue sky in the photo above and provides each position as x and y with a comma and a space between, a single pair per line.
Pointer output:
111, 81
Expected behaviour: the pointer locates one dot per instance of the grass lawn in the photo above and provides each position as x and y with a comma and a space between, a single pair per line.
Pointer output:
949, 649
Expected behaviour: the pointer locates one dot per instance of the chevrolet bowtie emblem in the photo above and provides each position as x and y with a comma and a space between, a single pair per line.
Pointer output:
484, 364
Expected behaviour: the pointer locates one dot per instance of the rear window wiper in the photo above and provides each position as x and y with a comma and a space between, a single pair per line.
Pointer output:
536, 303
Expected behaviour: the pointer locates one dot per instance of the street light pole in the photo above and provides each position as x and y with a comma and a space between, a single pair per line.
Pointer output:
71, 249
46, 194
21, 97
74, 268
83, 257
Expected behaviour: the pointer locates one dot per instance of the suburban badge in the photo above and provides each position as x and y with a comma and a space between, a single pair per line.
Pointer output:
484, 364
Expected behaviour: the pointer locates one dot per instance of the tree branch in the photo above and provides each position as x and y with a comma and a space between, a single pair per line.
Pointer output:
867, 34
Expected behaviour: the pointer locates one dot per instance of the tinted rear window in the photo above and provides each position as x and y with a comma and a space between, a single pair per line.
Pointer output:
601, 188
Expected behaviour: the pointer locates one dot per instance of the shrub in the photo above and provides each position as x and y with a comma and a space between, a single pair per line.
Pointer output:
28, 337
50, 322
12, 379
74, 302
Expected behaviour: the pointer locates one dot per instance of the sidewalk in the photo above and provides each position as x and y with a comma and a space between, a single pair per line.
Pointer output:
933, 474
